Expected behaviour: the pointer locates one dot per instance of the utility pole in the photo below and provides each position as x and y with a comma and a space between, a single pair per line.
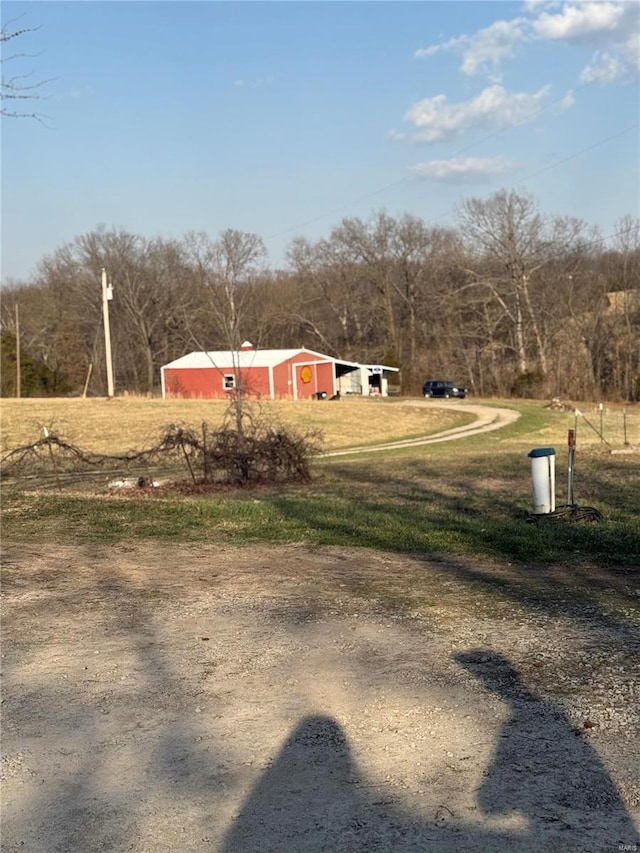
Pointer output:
18, 369
107, 295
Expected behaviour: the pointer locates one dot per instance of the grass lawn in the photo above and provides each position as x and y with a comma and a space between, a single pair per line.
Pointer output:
467, 497
125, 423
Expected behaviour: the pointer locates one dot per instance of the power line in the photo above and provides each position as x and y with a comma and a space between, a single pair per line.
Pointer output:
594, 242
582, 151
442, 216
581, 246
553, 165
338, 209
525, 120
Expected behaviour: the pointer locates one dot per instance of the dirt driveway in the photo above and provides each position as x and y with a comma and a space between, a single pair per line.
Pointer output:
189, 698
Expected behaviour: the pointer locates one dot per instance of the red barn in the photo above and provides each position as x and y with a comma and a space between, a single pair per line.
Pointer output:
295, 374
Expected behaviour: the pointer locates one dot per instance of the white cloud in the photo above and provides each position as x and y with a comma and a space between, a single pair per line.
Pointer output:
611, 27
632, 45
580, 21
483, 51
436, 120
458, 170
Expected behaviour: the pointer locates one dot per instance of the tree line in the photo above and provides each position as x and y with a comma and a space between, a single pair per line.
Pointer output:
508, 302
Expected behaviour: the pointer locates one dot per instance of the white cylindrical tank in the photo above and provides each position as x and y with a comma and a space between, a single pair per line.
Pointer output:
543, 476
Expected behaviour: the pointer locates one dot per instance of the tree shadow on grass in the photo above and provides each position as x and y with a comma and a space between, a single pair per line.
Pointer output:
314, 796
582, 571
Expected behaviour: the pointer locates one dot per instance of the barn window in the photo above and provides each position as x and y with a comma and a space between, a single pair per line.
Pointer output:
228, 381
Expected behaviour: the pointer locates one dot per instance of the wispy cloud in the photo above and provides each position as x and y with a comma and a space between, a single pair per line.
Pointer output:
484, 51
76, 93
463, 170
603, 68
534, 6
255, 83
436, 120
565, 103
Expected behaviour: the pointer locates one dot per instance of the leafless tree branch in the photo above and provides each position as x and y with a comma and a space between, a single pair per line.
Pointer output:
15, 87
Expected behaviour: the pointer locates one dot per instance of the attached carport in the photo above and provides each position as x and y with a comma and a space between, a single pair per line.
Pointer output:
363, 379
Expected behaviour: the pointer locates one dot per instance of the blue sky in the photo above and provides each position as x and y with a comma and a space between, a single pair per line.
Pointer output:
281, 118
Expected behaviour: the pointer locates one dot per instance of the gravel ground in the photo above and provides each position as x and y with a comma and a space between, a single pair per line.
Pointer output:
186, 698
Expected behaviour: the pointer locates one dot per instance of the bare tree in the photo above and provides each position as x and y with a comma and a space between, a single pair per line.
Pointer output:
373, 288
369, 245
567, 295
330, 301
15, 89
226, 270
512, 291
237, 259
507, 231
148, 296
420, 278
622, 271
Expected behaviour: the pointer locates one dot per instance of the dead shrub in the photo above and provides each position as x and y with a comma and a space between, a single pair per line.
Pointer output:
250, 452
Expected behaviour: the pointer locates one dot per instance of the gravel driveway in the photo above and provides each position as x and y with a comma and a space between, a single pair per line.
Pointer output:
207, 698
488, 419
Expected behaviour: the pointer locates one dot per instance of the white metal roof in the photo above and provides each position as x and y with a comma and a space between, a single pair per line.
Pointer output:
225, 359
376, 368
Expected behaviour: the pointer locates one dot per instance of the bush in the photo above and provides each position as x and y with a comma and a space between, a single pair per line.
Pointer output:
36, 378
528, 384
258, 455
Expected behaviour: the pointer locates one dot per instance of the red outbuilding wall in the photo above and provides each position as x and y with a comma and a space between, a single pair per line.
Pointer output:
208, 382
300, 377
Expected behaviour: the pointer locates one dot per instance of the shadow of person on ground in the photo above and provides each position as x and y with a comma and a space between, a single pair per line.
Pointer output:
314, 798
544, 767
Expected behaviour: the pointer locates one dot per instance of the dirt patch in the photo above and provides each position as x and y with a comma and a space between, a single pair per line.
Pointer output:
163, 698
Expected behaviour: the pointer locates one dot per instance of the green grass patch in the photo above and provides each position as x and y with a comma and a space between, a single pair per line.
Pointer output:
465, 498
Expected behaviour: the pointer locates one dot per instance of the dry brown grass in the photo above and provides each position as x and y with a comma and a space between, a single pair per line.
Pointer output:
134, 423
590, 423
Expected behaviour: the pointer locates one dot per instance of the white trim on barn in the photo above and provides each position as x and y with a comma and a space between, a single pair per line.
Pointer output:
272, 387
